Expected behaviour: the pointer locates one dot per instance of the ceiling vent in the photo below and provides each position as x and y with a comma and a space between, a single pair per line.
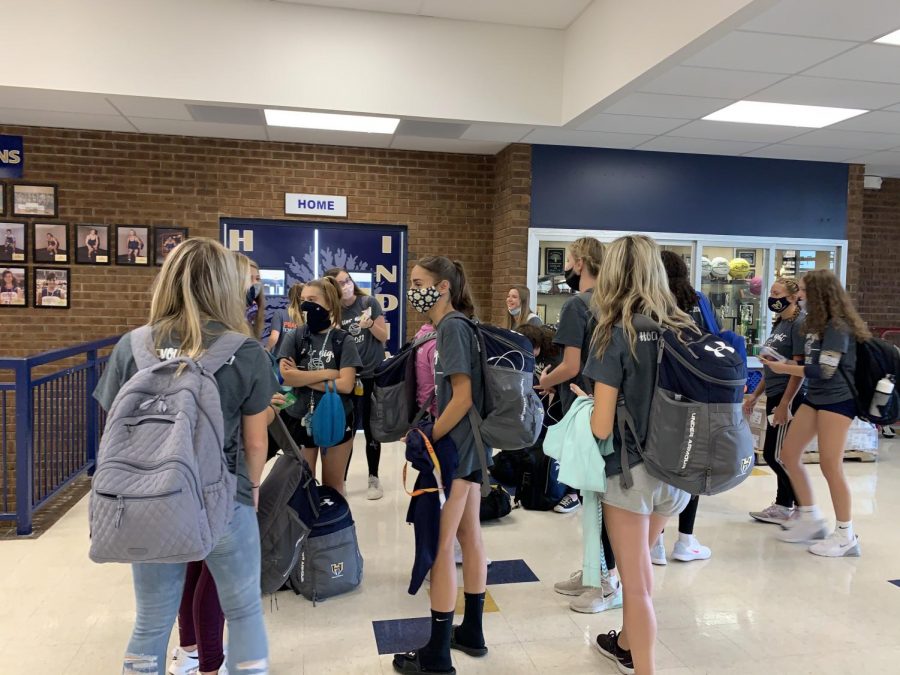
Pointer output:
431, 129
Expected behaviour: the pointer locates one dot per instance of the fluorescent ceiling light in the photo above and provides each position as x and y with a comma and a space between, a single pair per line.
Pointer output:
331, 122
890, 38
783, 114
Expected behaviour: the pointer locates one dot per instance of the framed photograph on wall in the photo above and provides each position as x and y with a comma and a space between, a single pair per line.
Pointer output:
747, 254
165, 239
12, 242
541, 311
132, 245
34, 199
51, 288
50, 243
13, 287
554, 260
92, 244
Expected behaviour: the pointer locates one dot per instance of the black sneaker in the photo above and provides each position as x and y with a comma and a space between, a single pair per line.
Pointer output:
409, 663
609, 646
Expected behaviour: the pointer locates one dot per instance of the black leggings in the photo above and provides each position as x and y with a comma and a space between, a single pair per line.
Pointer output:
364, 412
607, 548
688, 516
771, 448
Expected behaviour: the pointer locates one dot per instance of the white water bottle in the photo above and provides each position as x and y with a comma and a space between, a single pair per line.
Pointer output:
882, 395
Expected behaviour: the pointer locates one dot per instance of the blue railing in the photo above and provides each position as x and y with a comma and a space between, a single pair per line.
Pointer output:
50, 426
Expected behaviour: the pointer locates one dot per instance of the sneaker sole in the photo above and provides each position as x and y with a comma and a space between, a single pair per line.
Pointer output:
764, 519
571, 593
660, 562
569, 510
612, 657
615, 605
852, 552
689, 558
821, 534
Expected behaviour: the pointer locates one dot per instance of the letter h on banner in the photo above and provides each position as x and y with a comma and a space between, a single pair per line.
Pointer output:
240, 240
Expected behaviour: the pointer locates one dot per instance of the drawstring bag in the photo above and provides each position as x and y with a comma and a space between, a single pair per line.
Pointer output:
328, 421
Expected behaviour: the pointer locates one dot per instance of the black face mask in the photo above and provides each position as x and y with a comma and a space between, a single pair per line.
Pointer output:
573, 279
778, 305
317, 317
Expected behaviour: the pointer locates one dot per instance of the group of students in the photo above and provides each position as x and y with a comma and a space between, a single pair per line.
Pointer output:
608, 335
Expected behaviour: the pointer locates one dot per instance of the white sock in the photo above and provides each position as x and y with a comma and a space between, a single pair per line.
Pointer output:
845, 530
686, 539
810, 512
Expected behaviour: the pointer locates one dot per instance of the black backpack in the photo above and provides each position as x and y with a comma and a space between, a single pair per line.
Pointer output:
508, 466
539, 488
876, 359
496, 504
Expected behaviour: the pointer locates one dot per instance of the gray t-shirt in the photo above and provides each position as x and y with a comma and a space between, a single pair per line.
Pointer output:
834, 389
635, 378
457, 353
575, 331
789, 340
246, 386
370, 350
311, 352
282, 322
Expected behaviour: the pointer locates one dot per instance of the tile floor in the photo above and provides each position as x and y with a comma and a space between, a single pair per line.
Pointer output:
757, 607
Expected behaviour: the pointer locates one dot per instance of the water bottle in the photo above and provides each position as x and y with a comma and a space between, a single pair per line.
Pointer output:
358, 389
882, 395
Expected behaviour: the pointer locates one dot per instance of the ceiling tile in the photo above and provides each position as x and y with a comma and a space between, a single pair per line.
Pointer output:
589, 139
501, 133
766, 53
631, 124
879, 159
699, 146
733, 131
860, 20
878, 122
873, 63
324, 137
55, 101
660, 105
839, 138
812, 154
712, 82
446, 145
151, 125
830, 92
142, 106
222, 114
64, 120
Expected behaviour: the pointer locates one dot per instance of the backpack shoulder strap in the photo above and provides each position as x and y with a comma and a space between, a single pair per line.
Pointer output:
142, 348
709, 316
220, 351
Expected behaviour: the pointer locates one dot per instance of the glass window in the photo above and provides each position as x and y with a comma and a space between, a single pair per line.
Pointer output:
795, 262
552, 288
733, 279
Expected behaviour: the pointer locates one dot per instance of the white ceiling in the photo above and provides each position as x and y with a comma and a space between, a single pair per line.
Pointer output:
815, 52
556, 14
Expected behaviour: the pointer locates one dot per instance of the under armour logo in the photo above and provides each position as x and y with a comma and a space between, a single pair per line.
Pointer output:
718, 350
327, 502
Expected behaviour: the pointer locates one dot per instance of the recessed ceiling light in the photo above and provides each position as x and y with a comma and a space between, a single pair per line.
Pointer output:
890, 38
783, 114
331, 122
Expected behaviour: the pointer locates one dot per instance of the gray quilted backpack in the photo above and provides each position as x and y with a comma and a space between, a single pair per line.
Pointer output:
162, 491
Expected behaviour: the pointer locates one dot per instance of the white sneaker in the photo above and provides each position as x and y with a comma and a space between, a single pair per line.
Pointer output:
595, 600
888, 432
658, 552
458, 557
572, 585
802, 530
568, 504
836, 546
375, 491
775, 514
692, 551
184, 663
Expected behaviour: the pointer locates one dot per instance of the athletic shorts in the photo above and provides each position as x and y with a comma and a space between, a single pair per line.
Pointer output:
474, 477
846, 408
305, 440
647, 495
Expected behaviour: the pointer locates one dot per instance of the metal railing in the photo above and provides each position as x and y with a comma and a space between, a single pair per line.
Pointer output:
50, 426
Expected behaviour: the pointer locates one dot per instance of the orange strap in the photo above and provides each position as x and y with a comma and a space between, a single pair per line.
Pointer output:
437, 471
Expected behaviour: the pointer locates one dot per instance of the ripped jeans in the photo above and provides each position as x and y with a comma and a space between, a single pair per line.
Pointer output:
235, 567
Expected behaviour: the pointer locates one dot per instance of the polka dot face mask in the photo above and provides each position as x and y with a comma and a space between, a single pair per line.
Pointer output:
423, 299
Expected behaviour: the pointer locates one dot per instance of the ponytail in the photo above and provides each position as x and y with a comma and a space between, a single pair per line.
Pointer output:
295, 299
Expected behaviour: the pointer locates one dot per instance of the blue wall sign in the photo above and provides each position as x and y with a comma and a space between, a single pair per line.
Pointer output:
375, 255
12, 156
629, 190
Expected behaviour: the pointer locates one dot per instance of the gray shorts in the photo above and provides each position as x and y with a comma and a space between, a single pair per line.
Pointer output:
647, 495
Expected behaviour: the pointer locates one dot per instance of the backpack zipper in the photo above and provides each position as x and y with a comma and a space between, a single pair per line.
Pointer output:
120, 501
143, 468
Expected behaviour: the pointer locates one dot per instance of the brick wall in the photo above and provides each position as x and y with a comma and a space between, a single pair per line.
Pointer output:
512, 215
446, 200
878, 298
855, 197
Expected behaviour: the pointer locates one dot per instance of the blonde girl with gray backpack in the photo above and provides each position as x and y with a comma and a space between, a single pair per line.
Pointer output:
196, 316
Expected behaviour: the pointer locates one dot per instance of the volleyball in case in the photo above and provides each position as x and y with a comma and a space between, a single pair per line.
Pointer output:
720, 267
705, 267
739, 268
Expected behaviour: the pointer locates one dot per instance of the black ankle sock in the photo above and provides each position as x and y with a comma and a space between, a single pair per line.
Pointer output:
470, 633
436, 654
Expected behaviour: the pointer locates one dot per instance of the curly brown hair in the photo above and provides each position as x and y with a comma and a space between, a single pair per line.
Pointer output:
828, 303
